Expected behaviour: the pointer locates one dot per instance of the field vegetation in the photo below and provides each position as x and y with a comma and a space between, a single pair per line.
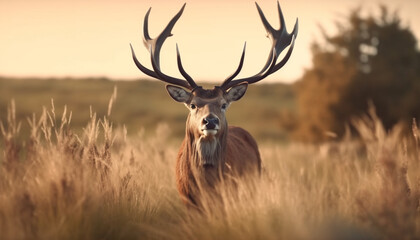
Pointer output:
142, 105
77, 164
371, 58
104, 183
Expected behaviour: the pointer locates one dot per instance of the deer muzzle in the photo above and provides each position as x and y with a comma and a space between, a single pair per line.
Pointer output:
210, 125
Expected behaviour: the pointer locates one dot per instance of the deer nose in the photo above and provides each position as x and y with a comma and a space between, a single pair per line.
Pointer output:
210, 122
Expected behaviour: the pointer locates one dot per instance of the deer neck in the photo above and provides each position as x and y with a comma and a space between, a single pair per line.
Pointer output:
206, 153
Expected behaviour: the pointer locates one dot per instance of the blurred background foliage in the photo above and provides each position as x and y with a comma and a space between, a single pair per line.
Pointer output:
370, 60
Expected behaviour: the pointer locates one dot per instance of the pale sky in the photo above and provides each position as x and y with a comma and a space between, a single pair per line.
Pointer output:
90, 38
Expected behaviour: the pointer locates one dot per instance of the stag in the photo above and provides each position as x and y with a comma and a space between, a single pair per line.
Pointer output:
212, 150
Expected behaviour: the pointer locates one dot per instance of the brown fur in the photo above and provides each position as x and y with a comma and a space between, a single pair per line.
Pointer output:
239, 156
211, 151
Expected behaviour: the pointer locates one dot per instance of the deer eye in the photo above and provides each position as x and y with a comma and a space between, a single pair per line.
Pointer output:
192, 106
224, 106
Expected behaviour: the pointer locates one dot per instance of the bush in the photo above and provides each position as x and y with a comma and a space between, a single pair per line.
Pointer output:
370, 60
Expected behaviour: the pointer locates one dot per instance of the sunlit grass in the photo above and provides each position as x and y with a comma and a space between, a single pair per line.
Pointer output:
104, 184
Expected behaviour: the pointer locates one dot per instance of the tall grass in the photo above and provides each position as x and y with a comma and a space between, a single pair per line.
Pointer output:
104, 185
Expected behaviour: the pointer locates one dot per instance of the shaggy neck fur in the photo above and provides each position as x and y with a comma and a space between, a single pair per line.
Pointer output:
207, 152
201, 151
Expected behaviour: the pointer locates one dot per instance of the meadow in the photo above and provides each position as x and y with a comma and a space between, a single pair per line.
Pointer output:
105, 182
141, 105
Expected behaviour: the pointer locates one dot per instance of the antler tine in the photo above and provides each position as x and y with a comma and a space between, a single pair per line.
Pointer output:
140, 66
241, 63
280, 40
182, 71
154, 46
146, 28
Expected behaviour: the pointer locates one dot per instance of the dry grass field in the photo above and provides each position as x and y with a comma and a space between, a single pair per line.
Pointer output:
104, 183
141, 105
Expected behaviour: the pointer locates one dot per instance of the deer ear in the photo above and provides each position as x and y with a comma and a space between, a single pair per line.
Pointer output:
178, 94
237, 92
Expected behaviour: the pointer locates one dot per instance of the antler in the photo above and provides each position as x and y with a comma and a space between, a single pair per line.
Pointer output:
154, 46
280, 40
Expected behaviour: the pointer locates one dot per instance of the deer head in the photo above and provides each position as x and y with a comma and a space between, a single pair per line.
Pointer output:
206, 121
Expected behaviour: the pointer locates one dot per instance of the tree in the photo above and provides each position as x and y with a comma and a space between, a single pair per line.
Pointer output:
370, 59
